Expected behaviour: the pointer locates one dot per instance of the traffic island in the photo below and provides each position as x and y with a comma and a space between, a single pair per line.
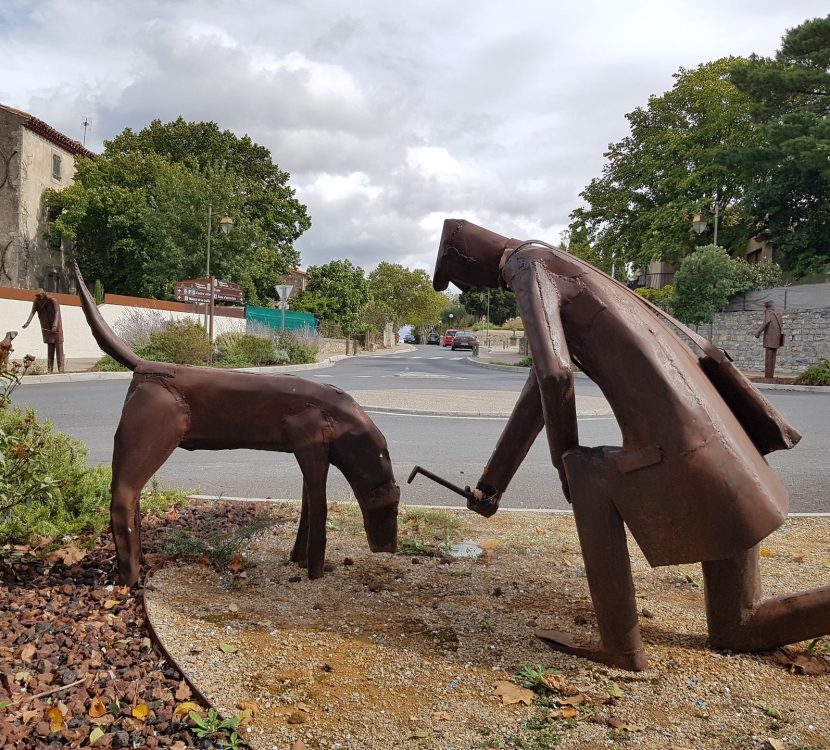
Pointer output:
422, 649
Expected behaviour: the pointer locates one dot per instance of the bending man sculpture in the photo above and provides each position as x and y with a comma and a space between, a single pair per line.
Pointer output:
690, 480
48, 312
201, 408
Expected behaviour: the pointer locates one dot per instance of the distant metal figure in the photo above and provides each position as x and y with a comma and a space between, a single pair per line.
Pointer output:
199, 408
773, 330
690, 480
49, 314
6, 348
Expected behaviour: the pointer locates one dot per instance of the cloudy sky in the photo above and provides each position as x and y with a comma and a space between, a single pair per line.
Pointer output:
389, 115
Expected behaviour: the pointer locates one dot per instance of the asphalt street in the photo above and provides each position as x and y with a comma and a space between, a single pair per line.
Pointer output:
454, 447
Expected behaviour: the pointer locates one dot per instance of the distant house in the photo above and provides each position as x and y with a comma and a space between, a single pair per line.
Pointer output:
297, 279
33, 157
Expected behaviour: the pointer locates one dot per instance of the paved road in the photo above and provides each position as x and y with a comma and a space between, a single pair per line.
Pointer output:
454, 447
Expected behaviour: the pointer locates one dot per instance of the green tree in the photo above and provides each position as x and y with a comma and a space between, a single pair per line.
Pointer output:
340, 292
138, 213
404, 296
665, 170
502, 304
787, 172
703, 284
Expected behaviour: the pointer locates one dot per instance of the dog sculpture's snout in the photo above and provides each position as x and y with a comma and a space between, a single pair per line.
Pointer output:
381, 522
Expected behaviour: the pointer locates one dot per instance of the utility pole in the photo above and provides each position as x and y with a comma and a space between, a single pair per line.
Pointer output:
86, 123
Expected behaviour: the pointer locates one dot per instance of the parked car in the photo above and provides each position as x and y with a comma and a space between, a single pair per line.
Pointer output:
448, 336
434, 338
464, 340
409, 339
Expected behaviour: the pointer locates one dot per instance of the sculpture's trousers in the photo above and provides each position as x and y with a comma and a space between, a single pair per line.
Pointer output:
769, 362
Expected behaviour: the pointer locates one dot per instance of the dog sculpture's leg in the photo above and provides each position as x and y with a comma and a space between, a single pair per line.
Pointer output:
153, 423
314, 463
300, 552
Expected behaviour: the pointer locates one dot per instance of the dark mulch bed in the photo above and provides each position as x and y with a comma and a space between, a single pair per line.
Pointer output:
71, 627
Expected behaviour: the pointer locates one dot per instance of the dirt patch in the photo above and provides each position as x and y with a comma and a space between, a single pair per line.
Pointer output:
402, 651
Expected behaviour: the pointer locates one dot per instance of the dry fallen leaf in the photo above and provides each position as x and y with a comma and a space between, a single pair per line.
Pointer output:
441, 716
140, 711
237, 564
298, 745
808, 664
511, 693
68, 555
798, 558
227, 648
568, 712
558, 683
95, 735
233, 607
574, 700
766, 553
28, 652
97, 708
110, 603
183, 691
56, 721
248, 706
183, 709
490, 545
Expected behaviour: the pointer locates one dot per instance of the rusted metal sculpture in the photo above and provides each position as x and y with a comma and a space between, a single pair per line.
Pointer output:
199, 408
49, 315
773, 330
6, 348
690, 480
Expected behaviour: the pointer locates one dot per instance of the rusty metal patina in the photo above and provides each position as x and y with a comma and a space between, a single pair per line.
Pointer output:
690, 480
48, 312
200, 408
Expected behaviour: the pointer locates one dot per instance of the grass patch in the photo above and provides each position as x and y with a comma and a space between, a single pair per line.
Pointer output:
426, 532
818, 374
219, 549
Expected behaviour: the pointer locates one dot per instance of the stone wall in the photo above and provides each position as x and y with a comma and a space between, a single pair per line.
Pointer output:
806, 332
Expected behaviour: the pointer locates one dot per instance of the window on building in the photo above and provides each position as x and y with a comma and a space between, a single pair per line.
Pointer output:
56, 166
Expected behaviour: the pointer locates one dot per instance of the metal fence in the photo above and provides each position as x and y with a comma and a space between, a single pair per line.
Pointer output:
800, 297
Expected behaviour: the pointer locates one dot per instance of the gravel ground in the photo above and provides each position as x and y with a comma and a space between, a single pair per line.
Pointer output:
403, 651
75, 658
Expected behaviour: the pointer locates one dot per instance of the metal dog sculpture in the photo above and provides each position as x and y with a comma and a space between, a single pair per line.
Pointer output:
198, 408
6, 348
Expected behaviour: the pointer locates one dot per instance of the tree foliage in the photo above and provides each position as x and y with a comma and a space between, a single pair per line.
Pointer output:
787, 172
404, 296
337, 292
703, 284
138, 213
502, 304
666, 170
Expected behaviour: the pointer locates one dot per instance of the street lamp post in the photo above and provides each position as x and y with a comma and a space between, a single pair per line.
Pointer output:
699, 223
225, 225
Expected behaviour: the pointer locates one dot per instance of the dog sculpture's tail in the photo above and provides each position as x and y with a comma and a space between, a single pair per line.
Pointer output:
104, 335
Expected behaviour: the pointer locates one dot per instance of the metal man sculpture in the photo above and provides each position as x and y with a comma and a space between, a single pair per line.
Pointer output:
199, 408
689, 481
49, 314
773, 330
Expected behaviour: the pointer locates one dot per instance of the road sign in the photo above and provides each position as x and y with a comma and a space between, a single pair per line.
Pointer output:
198, 290
284, 292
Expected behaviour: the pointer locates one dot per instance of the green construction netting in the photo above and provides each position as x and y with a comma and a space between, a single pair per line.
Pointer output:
273, 318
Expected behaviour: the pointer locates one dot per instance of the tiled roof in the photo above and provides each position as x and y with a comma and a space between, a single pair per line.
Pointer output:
46, 131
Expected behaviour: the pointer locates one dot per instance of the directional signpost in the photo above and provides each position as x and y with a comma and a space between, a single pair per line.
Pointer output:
283, 292
208, 291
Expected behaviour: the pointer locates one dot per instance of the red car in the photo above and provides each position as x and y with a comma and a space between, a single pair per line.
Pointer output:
448, 336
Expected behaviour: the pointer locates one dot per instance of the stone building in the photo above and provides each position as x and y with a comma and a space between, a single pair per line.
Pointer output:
34, 156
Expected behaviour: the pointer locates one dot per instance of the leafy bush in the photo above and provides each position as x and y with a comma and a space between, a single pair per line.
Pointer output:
108, 364
245, 350
183, 342
300, 345
510, 325
761, 275
47, 491
703, 284
818, 374
46, 488
663, 298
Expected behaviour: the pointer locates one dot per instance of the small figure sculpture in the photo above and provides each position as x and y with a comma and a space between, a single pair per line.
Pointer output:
6, 348
773, 330
200, 408
49, 314
690, 480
